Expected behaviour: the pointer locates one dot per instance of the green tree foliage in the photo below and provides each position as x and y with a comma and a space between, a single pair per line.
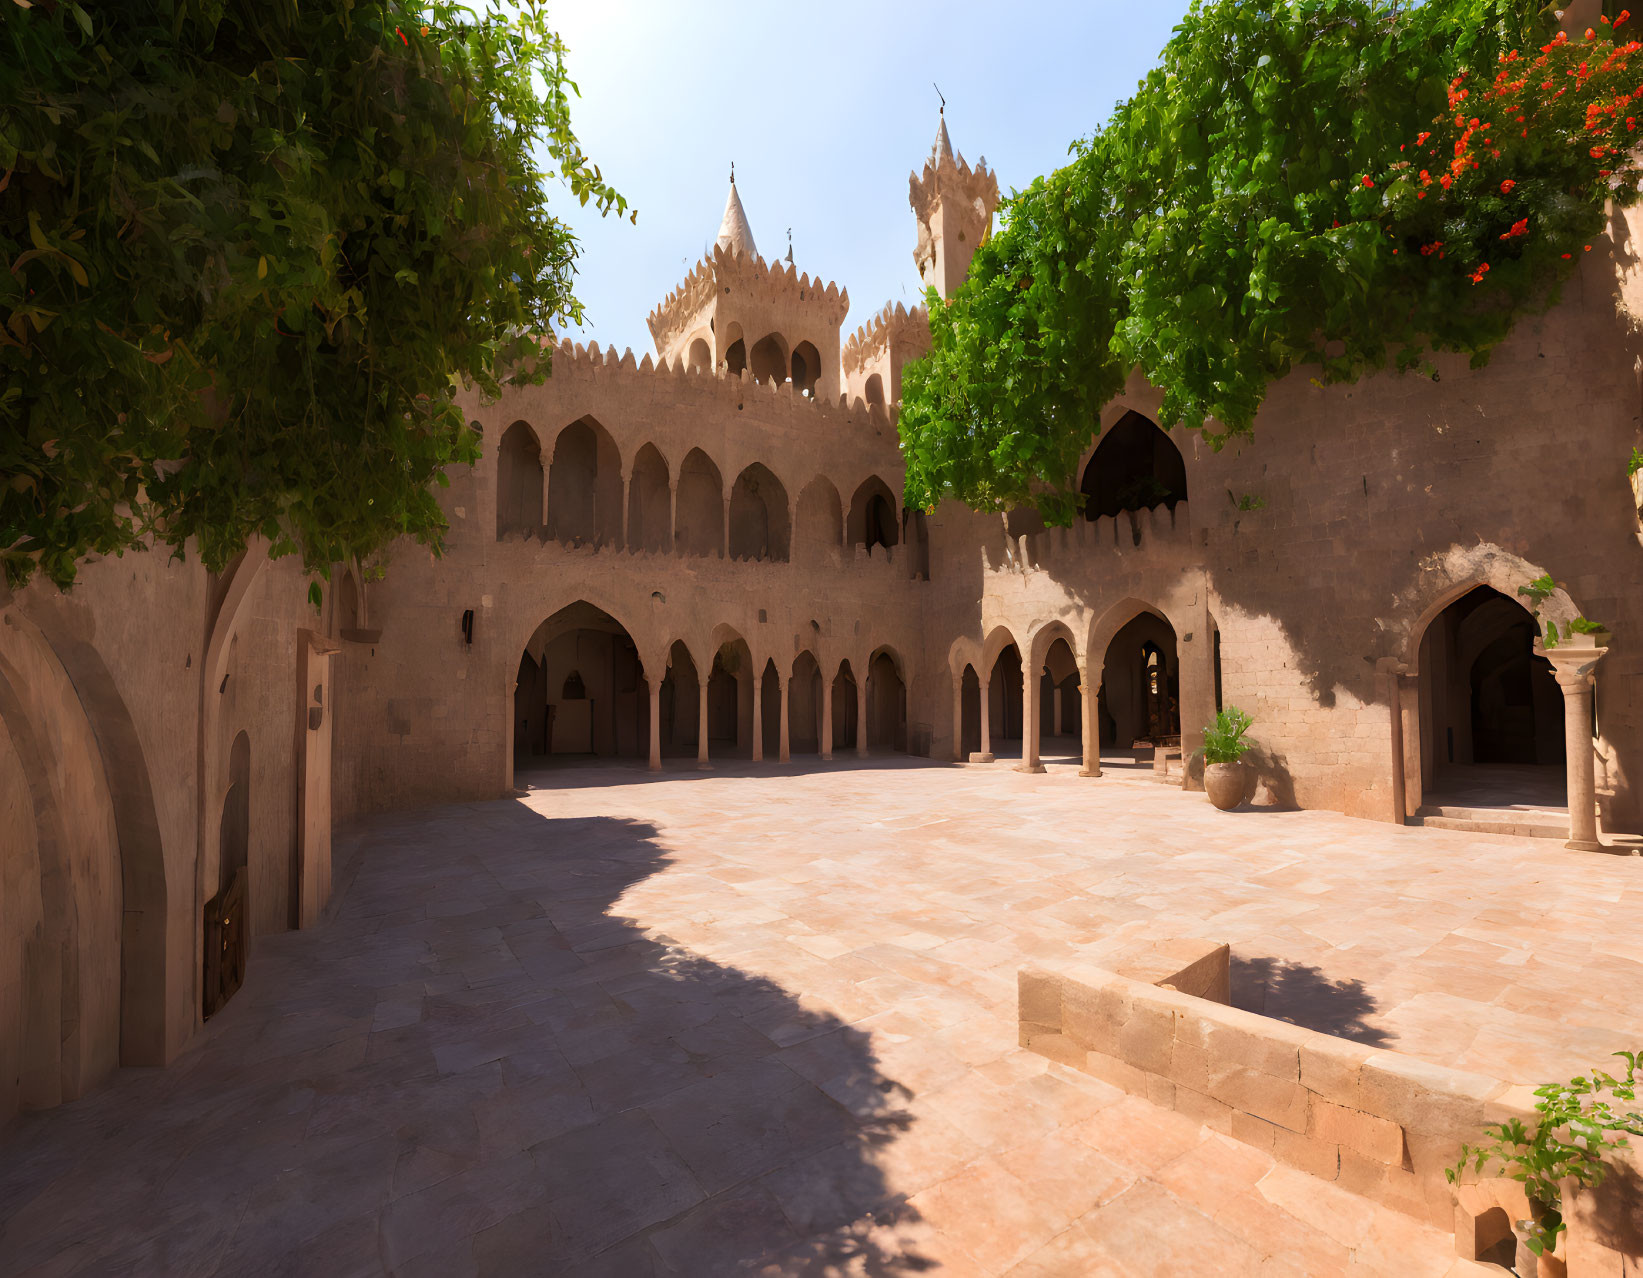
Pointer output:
254, 247
1341, 184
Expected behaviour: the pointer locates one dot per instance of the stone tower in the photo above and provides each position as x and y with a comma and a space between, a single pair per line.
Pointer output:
954, 205
737, 312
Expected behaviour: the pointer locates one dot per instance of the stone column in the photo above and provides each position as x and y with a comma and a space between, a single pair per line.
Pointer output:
986, 754
1031, 678
786, 754
1056, 721
758, 718
724, 530
826, 742
1091, 727
861, 716
1414, 785
673, 516
1195, 663
655, 725
1573, 664
701, 724
958, 719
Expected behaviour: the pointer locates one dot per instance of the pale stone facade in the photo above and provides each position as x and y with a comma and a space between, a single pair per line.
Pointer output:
705, 553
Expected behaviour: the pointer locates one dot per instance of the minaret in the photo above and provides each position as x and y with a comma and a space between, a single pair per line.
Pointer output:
954, 205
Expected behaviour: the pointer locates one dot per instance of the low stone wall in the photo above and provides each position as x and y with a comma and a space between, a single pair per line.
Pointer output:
1379, 1123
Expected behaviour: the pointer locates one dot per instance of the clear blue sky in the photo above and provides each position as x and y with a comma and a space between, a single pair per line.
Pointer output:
825, 109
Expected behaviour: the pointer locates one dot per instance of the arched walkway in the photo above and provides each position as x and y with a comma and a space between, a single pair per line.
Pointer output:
518, 482
1136, 466
1139, 705
1060, 702
759, 524
735, 357
1004, 703
969, 731
680, 705
886, 703
580, 691
805, 705
730, 698
844, 708
1492, 730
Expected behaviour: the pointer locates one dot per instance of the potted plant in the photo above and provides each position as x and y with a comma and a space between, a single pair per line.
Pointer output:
1567, 1143
1226, 779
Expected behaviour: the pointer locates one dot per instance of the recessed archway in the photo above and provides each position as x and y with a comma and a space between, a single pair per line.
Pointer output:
650, 502
969, 732
735, 357
759, 527
819, 522
873, 515
844, 708
585, 486
1004, 703
700, 359
518, 482
804, 705
701, 512
1060, 703
873, 392
770, 710
1139, 703
730, 697
1492, 730
806, 368
886, 702
679, 705
580, 691
1136, 466
768, 360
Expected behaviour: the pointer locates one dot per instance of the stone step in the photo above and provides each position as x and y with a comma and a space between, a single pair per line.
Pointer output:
1526, 823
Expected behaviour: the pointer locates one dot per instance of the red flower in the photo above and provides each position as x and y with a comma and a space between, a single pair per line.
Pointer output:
1520, 227
1506, 186
1446, 181
1421, 140
1477, 275
1367, 181
1624, 14
402, 38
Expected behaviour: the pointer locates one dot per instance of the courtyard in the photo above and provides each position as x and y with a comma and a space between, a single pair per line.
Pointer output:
762, 1020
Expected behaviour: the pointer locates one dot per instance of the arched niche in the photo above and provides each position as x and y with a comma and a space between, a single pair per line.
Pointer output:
1136, 466
585, 486
806, 368
650, 502
819, 521
768, 359
679, 703
730, 696
759, 522
701, 514
735, 357
518, 482
804, 705
873, 392
886, 702
700, 358
873, 515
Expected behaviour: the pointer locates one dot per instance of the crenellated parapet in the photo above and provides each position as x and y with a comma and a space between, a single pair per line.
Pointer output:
1129, 535
878, 351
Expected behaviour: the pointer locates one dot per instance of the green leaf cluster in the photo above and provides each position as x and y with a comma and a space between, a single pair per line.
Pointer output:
253, 249
1259, 205
1575, 1130
1224, 738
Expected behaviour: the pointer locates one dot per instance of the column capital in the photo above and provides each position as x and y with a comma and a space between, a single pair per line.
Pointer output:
1573, 663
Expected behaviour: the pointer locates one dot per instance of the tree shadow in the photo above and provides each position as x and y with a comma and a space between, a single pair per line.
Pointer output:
476, 1066
1302, 995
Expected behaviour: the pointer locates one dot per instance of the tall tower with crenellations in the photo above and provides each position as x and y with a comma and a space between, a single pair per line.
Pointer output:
954, 205
737, 312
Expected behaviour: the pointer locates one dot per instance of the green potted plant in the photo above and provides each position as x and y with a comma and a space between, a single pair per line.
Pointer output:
1226, 779
1568, 1143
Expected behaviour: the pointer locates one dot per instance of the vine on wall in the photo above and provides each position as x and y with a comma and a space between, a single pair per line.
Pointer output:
1345, 185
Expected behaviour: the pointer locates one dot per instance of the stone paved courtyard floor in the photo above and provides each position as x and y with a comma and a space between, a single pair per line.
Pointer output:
762, 1020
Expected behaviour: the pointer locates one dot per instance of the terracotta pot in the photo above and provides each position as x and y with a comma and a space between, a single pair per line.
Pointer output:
1226, 784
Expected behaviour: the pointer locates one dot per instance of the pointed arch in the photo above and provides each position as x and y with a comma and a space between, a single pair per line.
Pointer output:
768, 359
650, 502
759, 520
585, 486
701, 514
806, 368
819, 522
519, 482
1135, 466
873, 520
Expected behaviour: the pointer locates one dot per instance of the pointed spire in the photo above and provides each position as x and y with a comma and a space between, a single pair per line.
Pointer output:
943, 149
735, 235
